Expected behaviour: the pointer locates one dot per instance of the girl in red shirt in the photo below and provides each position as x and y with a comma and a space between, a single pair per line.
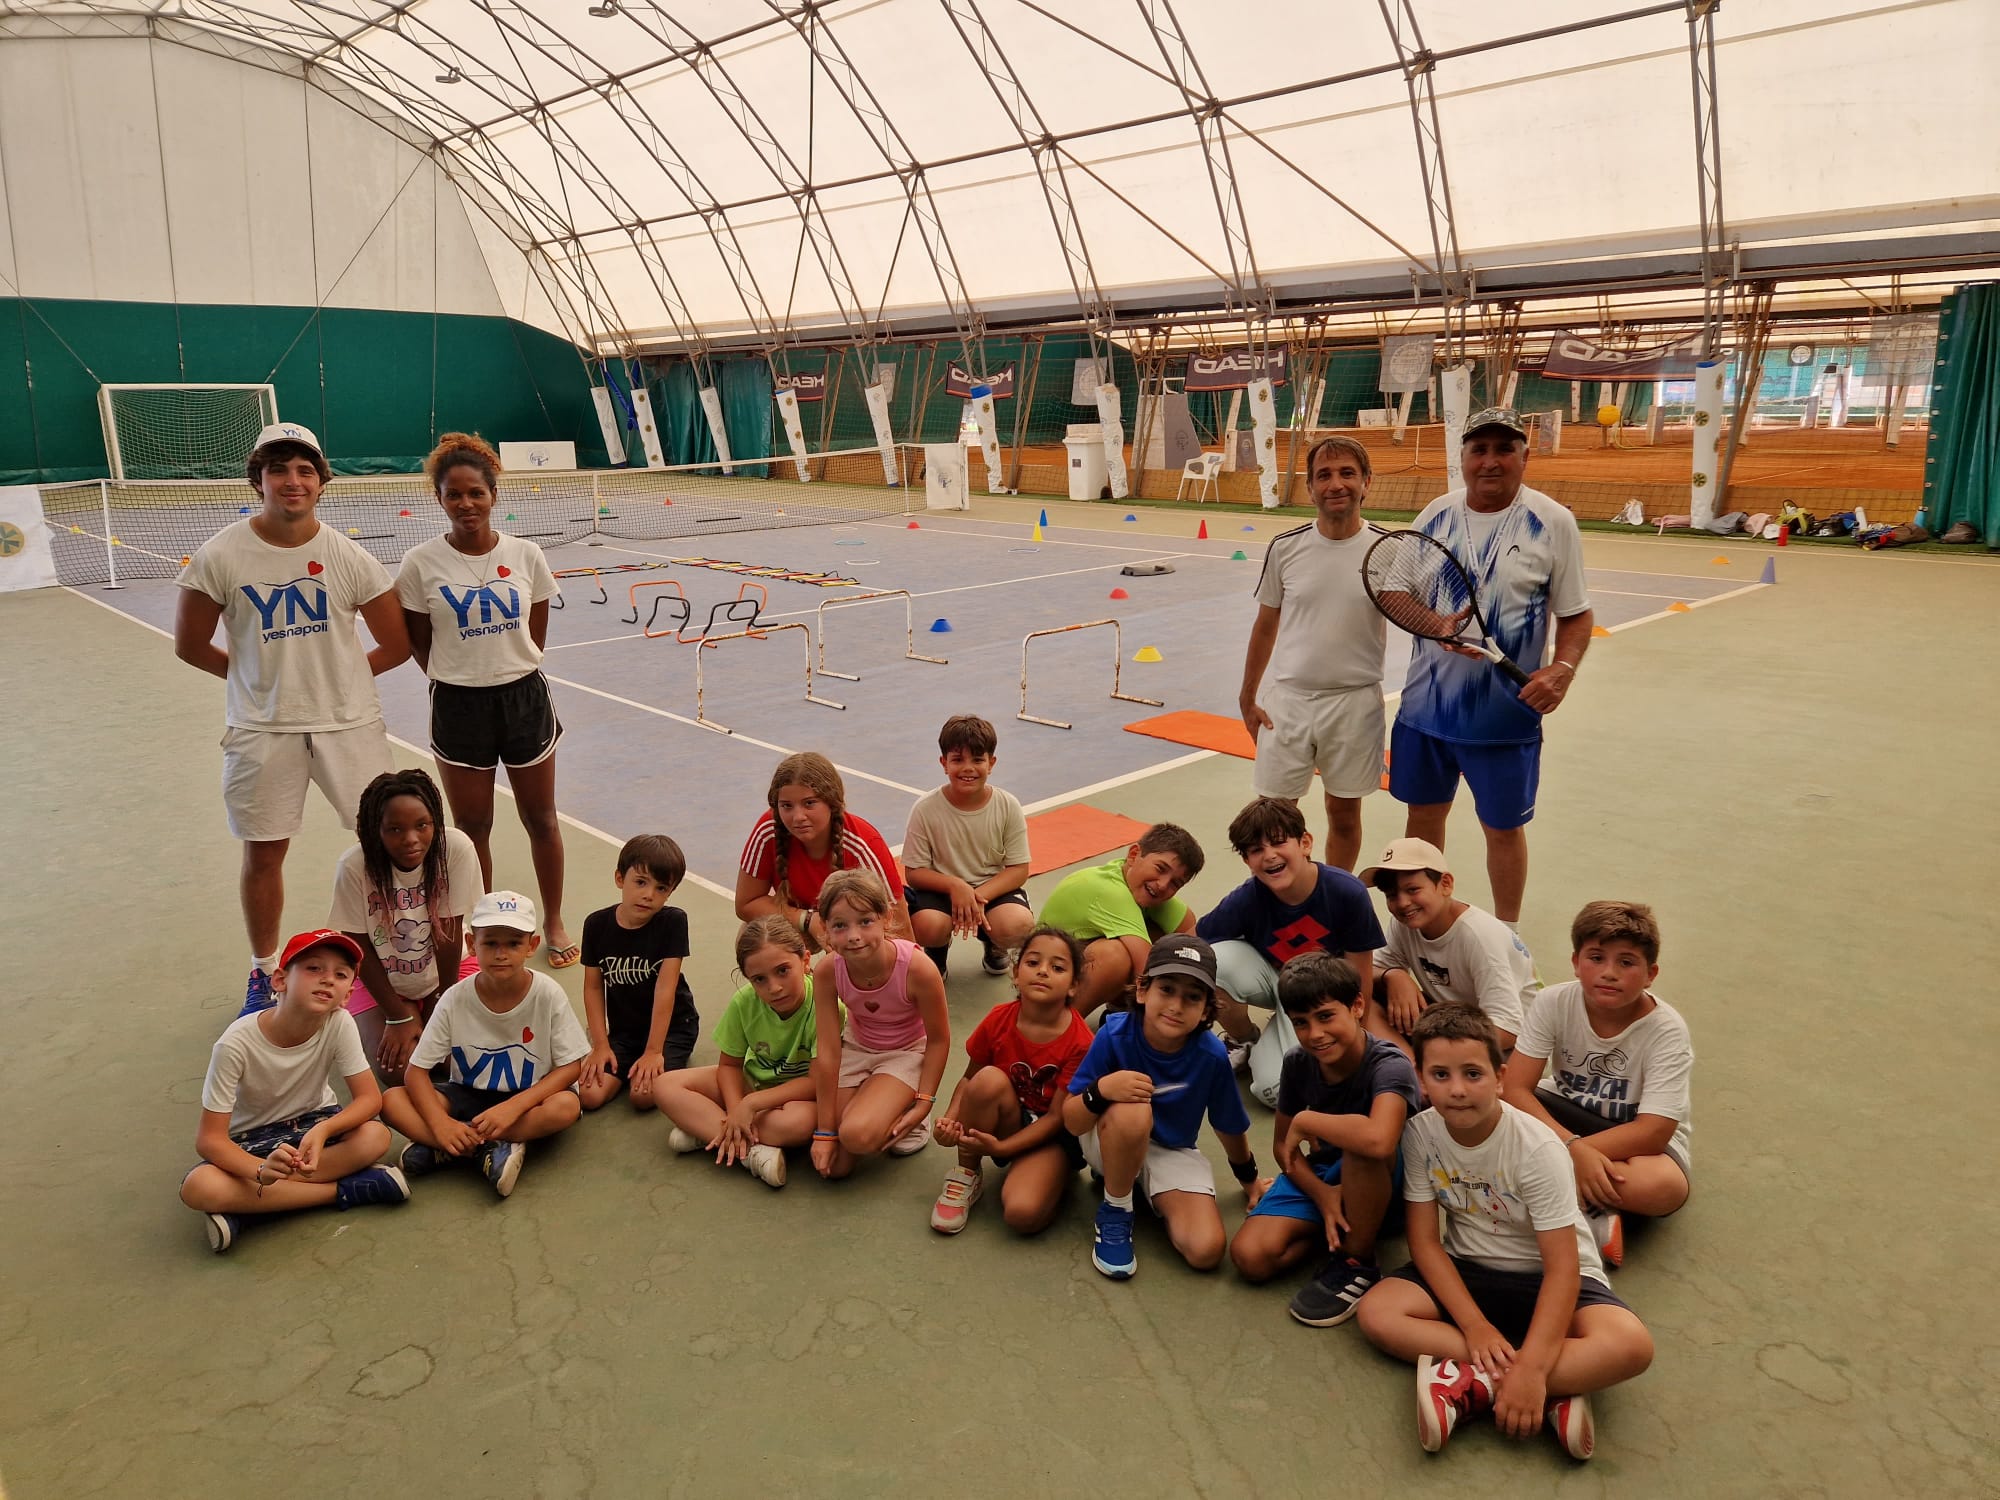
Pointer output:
804, 836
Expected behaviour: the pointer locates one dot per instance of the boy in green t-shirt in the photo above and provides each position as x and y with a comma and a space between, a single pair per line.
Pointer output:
1118, 909
758, 1099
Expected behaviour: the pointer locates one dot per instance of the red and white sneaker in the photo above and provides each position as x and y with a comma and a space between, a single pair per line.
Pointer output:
962, 1189
1570, 1420
1608, 1229
1447, 1389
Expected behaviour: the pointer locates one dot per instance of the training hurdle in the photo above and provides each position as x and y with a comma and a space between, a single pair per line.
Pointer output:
702, 718
678, 597
603, 596
1117, 666
910, 652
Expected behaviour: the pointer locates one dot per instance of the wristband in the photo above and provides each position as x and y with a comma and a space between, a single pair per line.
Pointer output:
397, 1020
826, 1135
1559, 662
1246, 1171
927, 1098
1095, 1102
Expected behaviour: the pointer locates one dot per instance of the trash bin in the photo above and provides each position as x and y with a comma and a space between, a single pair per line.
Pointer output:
1087, 472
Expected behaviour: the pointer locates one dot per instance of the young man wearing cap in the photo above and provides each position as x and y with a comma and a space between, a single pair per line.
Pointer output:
301, 703
1459, 716
515, 1048
1322, 710
1137, 1101
273, 1138
1442, 950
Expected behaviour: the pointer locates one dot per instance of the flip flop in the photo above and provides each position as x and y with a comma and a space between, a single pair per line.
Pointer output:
564, 958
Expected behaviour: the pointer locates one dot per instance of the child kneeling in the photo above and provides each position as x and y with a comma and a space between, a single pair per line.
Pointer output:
515, 1049
758, 1100
1137, 1101
272, 1137
1504, 1306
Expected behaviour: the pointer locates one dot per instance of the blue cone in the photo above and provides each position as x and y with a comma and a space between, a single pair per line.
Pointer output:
940, 626
1770, 571
1131, 518
1044, 520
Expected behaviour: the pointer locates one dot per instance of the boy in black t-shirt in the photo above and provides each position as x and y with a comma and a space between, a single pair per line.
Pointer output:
638, 1008
1343, 1096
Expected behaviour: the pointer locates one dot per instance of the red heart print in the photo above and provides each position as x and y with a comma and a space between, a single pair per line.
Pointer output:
315, 569
872, 1004
502, 571
527, 1034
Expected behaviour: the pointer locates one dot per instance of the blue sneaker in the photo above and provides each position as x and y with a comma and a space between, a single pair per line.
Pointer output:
257, 993
223, 1230
1111, 1247
370, 1185
419, 1160
501, 1162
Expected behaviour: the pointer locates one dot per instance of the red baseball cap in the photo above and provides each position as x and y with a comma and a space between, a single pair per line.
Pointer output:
324, 937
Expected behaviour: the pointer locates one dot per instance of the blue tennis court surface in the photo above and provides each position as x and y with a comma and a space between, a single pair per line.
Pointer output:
633, 758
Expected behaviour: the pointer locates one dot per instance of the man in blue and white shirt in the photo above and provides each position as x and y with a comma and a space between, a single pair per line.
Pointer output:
1459, 715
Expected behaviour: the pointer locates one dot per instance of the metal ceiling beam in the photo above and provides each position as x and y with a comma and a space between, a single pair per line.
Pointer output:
1419, 78
1715, 270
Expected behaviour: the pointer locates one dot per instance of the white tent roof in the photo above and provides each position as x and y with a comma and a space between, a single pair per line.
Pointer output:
697, 170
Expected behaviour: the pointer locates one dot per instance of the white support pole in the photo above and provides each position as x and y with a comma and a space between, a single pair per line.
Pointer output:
795, 437
989, 437
1576, 401
607, 423
1111, 421
711, 407
1229, 432
1899, 399
877, 396
1707, 432
649, 432
1264, 423
1513, 385
1839, 418
1403, 404
1457, 407
110, 538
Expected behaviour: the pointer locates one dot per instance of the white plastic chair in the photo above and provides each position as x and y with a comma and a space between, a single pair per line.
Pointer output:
1202, 469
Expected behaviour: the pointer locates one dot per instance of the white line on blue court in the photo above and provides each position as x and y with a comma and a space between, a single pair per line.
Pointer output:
961, 528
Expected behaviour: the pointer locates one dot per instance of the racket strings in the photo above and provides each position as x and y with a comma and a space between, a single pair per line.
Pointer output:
1418, 585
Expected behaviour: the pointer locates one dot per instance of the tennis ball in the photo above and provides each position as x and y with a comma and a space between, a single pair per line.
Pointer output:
1607, 416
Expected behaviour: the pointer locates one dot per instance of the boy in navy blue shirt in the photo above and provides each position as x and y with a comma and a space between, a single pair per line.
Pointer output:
1289, 906
1137, 1100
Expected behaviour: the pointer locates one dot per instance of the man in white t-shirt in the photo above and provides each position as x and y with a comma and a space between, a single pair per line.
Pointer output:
1322, 710
1461, 716
301, 703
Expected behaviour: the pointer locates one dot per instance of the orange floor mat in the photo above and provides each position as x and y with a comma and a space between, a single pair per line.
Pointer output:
1203, 731
1068, 835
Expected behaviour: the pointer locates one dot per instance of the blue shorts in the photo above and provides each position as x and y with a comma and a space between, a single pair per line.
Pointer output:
261, 1140
1424, 770
1283, 1199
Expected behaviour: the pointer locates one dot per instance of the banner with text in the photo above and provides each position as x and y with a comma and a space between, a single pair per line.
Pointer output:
1234, 369
1573, 357
807, 385
959, 381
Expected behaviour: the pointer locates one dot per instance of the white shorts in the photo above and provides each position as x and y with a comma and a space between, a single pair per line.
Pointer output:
1338, 734
1166, 1169
265, 771
858, 1065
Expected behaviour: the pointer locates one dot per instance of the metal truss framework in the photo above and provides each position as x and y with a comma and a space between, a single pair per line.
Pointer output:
1715, 271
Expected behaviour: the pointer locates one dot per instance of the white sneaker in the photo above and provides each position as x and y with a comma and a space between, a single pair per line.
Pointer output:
962, 1189
1239, 1055
911, 1141
766, 1164
681, 1141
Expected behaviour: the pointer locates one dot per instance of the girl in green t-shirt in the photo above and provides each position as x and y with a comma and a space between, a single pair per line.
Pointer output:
758, 1099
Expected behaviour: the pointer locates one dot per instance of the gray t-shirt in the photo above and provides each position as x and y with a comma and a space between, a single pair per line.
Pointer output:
1330, 638
973, 846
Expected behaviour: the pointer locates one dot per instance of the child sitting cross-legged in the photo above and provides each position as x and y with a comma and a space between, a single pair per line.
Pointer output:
1504, 1306
1009, 1104
272, 1136
1343, 1097
1137, 1100
515, 1050
758, 1098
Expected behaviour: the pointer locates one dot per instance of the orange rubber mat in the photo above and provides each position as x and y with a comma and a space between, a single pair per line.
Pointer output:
1203, 731
1068, 835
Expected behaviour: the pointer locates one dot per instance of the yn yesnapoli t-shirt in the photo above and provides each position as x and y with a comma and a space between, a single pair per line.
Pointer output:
1478, 962
1199, 1078
505, 1051
296, 662
775, 1049
1384, 1069
1336, 916
1644, 1070
254, 1081
1097, 903
1330, 638
973, 846
478, 607
1036, 1069
861, 848
628, 960
402, 930
1495, 1197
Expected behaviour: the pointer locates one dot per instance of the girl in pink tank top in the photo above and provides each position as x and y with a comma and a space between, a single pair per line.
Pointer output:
876, 1078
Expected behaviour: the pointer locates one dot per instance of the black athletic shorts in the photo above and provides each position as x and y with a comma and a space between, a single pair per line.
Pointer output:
481, 727
918, 900
683, 1031
1507, 1298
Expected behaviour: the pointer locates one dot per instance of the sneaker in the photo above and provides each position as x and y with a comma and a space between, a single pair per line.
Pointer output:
1329, 1299
1447, 1389
419, 1160
222, 1230
501, 1163
1608, 1229
766, 1164
1239, 1056
257, 993
995, 961
370, 1185
1111, 1244
679, 1140
1570, 1420
911, 1141
954, 1204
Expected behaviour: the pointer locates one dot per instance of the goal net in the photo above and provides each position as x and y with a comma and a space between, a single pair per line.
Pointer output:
183, 431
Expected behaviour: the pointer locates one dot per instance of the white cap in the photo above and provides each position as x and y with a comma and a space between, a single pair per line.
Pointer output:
503, 909
289, 432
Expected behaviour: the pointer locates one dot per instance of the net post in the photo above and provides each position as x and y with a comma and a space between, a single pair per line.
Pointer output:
1117, 664
110, 547
700, 714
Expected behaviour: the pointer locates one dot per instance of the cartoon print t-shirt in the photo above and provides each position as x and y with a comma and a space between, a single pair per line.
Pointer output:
478, 607
296, 663
1036, 1069
400, 931
505, 1052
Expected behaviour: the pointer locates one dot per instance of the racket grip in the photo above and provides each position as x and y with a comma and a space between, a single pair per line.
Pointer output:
1508, 665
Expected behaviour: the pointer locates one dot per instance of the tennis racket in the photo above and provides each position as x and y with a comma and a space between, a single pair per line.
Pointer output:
1414, 580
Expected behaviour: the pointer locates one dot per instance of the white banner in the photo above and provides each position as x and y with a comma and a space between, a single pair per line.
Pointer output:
520, 457
649, 434
1084, 379
795, 436
1707, 432
944, 477
983, 413
1111, 420
1457, 383
878, 413
711, 407
608, 424
1264, 423
25, 559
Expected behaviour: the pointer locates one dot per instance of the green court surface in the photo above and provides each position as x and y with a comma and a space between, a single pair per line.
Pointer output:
1797, 780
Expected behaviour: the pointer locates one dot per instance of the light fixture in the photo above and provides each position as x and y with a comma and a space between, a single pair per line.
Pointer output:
604, 9
454, 76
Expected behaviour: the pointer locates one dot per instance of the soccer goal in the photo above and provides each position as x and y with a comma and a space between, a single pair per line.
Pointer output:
183, 431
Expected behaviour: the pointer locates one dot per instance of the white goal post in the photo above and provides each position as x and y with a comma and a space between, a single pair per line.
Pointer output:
182, 431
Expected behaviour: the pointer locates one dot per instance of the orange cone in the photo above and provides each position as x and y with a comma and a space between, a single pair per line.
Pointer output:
913, 526
1120, 594
1201, 533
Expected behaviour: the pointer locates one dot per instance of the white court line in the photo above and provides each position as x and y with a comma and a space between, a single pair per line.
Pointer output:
418, 750
960, 528
1667, 614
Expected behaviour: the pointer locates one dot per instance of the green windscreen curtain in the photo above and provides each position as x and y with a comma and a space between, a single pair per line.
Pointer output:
1962, 468
684, 436
748, 413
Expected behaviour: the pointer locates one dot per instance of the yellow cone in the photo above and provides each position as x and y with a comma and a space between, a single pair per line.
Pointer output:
1598, 630
1718, 562
1678, 608
1149, 653
1037, 536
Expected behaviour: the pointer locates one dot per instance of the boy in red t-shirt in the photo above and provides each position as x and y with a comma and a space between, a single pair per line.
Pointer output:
1009, 1104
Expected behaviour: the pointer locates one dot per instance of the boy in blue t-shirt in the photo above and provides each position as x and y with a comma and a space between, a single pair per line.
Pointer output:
1343, 1097
1137, 1100
1289, 906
